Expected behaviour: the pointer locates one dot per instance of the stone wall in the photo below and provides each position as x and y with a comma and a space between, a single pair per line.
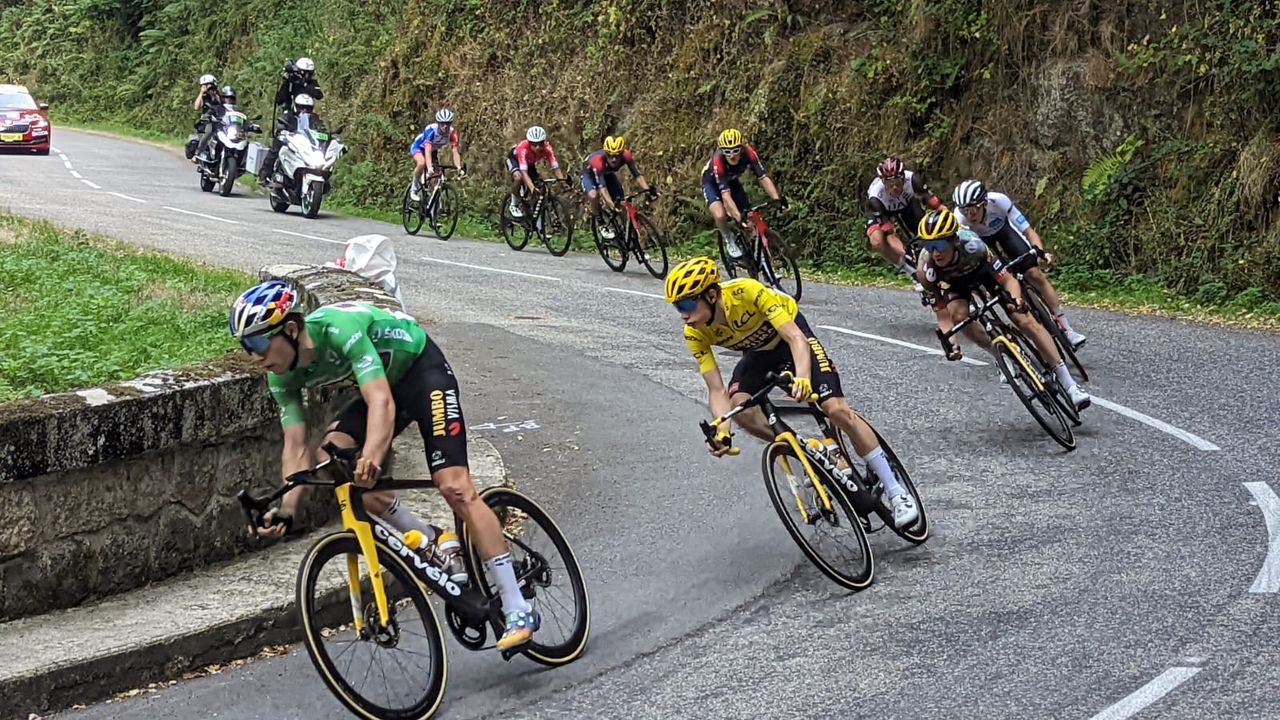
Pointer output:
106, 489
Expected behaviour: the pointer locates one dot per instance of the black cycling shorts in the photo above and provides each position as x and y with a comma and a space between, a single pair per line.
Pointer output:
749, 373
1009, 244
427, 395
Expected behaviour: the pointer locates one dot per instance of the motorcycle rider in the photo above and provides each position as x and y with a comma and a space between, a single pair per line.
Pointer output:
297, 79
209, 103
302, 116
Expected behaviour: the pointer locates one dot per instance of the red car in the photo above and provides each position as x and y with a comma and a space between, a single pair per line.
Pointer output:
24, 123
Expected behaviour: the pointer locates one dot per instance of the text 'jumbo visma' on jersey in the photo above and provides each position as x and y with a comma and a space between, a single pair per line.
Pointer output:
752, 313
351, 339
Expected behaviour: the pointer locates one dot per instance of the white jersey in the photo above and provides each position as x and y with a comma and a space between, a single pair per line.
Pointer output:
893, 203
1000, 212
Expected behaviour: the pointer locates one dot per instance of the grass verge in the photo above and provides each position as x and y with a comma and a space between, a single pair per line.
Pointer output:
78, 310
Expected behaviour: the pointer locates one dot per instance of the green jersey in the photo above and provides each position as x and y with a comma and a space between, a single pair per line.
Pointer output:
350, 339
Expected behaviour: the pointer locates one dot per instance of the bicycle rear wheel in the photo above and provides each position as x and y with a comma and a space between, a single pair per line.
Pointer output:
556, 229
1038, 400
915, 533
654, 254
547, 571
409, 682
410, 213
779, 268
1041, 310
444, 213
842, 552
513, 230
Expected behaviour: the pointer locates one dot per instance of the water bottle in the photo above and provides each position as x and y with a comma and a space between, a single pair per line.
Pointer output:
447, 551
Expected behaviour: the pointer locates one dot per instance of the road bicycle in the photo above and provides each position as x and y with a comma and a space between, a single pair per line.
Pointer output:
549, 219
362, 595
628, 227
436, 205
764, 256
825, 501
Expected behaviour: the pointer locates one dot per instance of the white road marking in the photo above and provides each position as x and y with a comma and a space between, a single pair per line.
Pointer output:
55, 149
207, 217
126, 197
491, 269
1148, 694
634, 292
902, 343
67, 164
91, 184
1189, 438
76, 175
309, 237
1268, 580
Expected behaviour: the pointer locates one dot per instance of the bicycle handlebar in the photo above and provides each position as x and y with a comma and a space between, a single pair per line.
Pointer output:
255, 508
781, 380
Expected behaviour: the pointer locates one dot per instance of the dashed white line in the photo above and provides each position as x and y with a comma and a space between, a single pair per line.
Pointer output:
207, 217
491, 269
126, 197
1148, 694
309, 237
91, 184
76, 175
55, 149
1189, 438
67, 164
1268, 580
902, 343
634, 292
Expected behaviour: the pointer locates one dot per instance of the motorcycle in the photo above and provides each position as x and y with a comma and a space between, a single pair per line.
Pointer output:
224, 159
302, 171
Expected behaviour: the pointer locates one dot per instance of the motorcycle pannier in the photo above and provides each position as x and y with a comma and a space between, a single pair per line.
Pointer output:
254, 156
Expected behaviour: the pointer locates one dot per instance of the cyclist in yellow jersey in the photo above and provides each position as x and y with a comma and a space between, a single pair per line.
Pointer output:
767, 328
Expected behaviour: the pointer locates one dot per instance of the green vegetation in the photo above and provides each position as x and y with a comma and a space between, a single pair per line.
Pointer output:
1139, 136
78, 310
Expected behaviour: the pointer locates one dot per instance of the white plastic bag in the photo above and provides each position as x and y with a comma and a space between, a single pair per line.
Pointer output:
373, 258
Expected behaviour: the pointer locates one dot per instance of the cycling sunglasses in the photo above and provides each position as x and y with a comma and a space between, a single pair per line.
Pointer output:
687, 305
732, 152
258, 344
936, 245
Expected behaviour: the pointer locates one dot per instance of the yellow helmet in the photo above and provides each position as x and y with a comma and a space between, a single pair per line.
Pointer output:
614, 145
938, 225
691, 277
730, 138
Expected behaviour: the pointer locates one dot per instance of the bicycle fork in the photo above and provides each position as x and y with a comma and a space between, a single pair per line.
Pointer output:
802, 454
1016, 351
364, 535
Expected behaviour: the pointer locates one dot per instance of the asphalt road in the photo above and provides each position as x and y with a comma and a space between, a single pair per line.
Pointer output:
1106, 582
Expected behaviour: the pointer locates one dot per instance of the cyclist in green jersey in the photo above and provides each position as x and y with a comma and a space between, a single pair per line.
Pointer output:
403, 378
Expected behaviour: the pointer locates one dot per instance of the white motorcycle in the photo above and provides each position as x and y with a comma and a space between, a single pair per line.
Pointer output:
301, 174
225, 161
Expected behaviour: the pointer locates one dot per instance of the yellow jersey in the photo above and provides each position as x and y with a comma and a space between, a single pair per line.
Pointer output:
752, 313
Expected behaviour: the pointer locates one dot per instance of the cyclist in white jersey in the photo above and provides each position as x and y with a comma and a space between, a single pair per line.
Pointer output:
997, 220
896, 193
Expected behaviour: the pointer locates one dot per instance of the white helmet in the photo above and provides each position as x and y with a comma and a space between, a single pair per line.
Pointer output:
536, 134
444, 115
969, 192
306, 64
304, 100
207, 79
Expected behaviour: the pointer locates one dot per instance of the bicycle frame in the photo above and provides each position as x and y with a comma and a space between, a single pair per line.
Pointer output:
981, 313
782, 433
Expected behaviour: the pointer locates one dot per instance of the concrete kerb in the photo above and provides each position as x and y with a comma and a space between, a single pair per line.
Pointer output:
158, 632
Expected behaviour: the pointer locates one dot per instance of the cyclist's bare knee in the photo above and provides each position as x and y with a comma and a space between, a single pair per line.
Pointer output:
456, 488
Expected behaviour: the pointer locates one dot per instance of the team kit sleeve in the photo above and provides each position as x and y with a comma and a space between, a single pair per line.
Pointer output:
1016, 216
631, 163
701, 350
774, 306
757, 165
551, 157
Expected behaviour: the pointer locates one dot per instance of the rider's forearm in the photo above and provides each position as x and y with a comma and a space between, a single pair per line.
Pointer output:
1012, 287
730, 208
1034, 238
766, 182
642, 182
800, 355
718, 401
379, 431
457, 159
295, 456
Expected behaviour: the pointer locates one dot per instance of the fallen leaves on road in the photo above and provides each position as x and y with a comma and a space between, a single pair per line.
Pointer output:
207, 670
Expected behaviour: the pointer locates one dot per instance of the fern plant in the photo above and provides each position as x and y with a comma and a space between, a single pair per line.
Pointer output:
1100, 176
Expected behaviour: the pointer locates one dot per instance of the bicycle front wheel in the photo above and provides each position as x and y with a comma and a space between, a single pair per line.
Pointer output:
654, 251
780, 269
547, 571
444, 213
513, 230
833, 540
1026, 380
410, 214
392, 673
612, 251
556, 227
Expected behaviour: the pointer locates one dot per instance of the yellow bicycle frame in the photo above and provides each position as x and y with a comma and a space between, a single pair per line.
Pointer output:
1013, 348
364, 534
790, 439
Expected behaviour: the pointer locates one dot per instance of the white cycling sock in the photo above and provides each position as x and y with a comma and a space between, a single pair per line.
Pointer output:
399, 517
879, 464
1064, 375
1060, 315
499, 568
904, 266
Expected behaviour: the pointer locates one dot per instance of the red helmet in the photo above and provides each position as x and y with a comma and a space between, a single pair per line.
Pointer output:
890, 167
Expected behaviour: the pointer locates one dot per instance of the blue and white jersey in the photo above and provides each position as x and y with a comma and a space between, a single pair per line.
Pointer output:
1000, 212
